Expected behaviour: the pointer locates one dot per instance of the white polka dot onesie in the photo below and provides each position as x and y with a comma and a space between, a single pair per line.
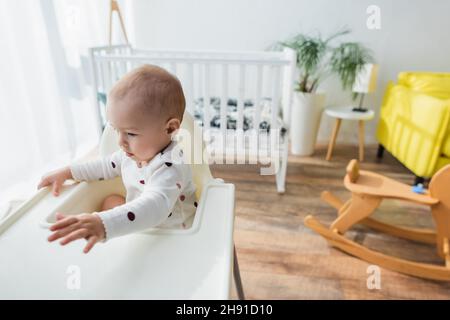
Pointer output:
159, 194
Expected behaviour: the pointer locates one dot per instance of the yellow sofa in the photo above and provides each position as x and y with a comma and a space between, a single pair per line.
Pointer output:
414, 122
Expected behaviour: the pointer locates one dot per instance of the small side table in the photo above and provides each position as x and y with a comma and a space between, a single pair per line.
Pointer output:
346, 113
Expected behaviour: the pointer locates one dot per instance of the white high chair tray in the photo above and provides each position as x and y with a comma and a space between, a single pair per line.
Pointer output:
148, 265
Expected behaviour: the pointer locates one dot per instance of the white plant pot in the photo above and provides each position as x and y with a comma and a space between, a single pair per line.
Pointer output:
306, 113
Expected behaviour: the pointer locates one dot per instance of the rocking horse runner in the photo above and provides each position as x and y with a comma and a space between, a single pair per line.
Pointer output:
368, 190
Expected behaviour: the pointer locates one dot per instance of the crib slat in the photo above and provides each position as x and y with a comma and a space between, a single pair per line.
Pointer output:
288, 84
275, 97
173, 68
224, 100
274, 126
99, 76
99, 72
190, 88
95, 88
104, 76
109, 76
122, 68
240, 116
241, 97
110, 69
114, 71
135, 64
206, 98
257, 114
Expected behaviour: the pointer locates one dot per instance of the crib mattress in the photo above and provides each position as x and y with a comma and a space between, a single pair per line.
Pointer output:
195, 264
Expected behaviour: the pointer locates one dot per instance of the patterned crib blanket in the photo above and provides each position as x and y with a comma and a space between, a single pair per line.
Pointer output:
232, 114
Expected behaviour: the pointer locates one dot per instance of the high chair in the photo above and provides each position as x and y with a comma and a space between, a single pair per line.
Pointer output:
368, 190
195, 262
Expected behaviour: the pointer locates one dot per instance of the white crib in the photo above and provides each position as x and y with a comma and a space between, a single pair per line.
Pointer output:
249, 95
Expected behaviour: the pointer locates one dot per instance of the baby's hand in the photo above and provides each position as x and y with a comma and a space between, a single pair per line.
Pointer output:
88, 226
55, 178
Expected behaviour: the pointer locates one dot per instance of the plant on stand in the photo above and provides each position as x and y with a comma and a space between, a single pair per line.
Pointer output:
317, 59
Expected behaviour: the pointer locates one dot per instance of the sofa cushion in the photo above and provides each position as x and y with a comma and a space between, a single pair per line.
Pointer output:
429, 114
432, 83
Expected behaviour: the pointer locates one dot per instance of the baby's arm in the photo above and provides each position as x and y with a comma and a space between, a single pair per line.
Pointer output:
104, 168
56, 179
150, 209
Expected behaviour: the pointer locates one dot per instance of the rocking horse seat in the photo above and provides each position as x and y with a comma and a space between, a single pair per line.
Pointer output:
374, 184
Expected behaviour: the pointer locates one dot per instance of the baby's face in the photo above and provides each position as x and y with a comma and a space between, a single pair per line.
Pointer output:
142, 134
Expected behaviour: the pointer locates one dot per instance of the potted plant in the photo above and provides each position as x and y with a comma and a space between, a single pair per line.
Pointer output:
318, 58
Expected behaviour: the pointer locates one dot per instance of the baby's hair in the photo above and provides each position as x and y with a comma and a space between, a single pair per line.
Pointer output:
154, 88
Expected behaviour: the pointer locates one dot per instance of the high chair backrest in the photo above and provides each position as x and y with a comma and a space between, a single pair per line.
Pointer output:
191, 145
195, 152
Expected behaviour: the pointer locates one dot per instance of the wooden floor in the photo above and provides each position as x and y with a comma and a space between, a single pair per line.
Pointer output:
282, 259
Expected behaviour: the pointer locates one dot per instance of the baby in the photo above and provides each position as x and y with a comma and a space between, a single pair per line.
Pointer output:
146, 108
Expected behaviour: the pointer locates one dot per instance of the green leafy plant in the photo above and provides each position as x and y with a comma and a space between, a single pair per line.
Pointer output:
317, 59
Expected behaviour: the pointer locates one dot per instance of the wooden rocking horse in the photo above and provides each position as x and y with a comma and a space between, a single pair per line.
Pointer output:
368, 189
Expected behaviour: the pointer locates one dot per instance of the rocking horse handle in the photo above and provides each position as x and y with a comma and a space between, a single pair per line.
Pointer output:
439, 184
353, 170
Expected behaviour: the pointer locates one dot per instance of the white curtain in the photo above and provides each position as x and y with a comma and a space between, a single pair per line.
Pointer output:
47, 111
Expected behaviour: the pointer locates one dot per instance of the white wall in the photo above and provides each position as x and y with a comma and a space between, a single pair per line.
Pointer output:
413, 34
